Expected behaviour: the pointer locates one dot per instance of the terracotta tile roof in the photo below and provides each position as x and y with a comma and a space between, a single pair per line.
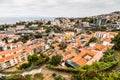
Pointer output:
81, 62
2, 60
101, 32
60, 51
17, 55
85, 51
7, 44
92, 53
91, 35
19, 43
97, 57
10, 51
55, 38
107, 39
79, 57
40, 44
74, 54
113, 33
27, 50
67, 52
99, 47
75, 59
55, 44
87, 39
9, 57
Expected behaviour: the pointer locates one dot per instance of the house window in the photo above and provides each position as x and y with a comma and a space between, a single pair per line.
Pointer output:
1, 49
23, 59
8, 63
14, 61
3, 56
0, 66
8, 47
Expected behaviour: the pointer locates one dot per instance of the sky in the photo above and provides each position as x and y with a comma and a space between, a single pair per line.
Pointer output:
57, 8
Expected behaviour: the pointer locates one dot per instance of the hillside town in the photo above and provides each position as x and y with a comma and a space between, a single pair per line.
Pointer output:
79, 41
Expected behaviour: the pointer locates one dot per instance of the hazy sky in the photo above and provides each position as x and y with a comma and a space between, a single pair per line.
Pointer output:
57, 8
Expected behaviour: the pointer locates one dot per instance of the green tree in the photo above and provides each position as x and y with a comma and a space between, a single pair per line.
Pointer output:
63, 46
28, 77
55, 60
24, 66
48, 23
116, 41
108, 56
15, 77
93, 39
32, 59
59, 77
39, 35
38, 76
5, 39
24, 38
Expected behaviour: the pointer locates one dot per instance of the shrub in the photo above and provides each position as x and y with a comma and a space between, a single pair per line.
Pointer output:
28, 77
72, 70
24, 66
59, 77
54, 74
15, 77
55, 60
38, 76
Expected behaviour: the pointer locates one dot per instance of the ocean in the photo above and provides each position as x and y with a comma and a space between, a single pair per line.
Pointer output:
13, 20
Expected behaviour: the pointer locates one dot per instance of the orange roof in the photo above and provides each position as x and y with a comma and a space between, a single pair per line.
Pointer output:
74, 53
87, 39
91, 35
7, 44
41, 44
17, 54
10, 51
66, 52
81, 62
19, 43
107, 39
99, 47
85, 51
55, 44
55, 38
102, 32
75, 59
113, 33
92, 53
2, 60
28, 50
60, 51
9, 57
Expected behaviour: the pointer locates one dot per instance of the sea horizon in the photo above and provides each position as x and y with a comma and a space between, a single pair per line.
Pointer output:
13, 20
